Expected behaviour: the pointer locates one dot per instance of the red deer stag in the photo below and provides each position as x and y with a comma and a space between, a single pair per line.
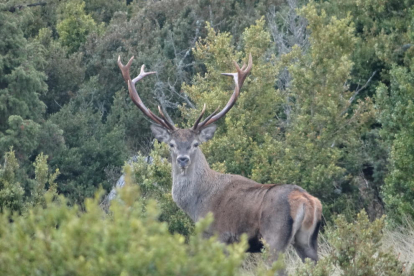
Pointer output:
279, 214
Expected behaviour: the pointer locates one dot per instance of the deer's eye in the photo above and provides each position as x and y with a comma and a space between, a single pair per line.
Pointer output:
195, 145
171, 145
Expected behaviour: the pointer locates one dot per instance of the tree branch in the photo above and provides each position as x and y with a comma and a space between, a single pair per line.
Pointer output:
356, 93
362, 88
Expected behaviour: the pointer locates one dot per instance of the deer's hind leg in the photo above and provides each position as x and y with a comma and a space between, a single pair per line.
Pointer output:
306, 244
277, 230
277, 234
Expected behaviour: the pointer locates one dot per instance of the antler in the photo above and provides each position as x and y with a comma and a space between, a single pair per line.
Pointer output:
239, 78
135, 97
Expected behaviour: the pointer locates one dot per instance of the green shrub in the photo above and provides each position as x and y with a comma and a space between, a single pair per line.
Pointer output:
62, 240
358, 247
396, 115
13, 198
11, 192
75, 25
356, 250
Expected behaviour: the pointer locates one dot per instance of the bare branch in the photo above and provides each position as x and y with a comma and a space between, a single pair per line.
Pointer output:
356, 93
362, 88
287, 29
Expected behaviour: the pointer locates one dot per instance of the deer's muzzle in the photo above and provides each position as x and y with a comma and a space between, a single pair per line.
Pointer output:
183, 160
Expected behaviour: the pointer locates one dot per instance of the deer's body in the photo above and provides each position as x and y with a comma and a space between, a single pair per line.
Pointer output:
277, 214
280, 214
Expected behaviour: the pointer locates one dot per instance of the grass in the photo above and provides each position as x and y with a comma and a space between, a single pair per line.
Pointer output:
255, 262
401, 241
398, 240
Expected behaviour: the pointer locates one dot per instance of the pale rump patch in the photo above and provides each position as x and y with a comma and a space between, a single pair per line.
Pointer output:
303, 202
318, 206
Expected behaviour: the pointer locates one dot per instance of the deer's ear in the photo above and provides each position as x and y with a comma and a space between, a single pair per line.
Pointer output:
160, 133
207, 133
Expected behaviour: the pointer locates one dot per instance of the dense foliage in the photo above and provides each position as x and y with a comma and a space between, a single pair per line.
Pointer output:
59, 240
56, 239
328, 106
356, 250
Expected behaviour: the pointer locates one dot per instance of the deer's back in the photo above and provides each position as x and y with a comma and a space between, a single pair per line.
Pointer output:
245, 206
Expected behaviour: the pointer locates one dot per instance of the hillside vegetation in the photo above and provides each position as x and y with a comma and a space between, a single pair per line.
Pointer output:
328, 106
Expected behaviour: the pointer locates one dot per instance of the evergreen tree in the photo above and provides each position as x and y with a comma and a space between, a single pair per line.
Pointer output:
385, 48
21, 83
75, 25
65, 72
11, 193
91, 146
396, 115
305, 134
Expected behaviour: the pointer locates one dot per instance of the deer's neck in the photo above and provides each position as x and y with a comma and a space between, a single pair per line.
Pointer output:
192, 190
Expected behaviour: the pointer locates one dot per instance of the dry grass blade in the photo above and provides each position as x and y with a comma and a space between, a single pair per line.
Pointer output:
401, 241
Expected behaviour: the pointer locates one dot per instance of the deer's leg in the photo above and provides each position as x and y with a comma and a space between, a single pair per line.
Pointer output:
277, 226
306, 251
277, 234
277, 241
306, 244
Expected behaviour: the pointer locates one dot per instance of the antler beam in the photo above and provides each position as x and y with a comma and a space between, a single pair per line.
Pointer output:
135, 97
239, 78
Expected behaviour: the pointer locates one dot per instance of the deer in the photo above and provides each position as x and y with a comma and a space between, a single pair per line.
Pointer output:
278, 215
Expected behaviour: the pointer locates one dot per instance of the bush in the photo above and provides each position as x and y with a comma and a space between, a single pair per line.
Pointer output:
356, 250
75, 25
396, 114
11, 193
62, 240
13, 198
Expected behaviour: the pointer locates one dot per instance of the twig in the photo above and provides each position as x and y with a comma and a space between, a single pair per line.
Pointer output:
357, 92
362, 88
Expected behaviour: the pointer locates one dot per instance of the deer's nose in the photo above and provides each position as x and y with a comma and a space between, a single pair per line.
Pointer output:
183, 160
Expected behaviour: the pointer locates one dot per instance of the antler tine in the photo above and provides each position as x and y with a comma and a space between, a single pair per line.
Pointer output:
134, 94
211, 115
239, 78
199, 118
125, 68
170, 125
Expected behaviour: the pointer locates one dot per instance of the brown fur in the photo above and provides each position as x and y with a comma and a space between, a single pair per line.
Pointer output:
277, 214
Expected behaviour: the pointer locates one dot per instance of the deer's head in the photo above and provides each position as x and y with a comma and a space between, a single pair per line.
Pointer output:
183, 142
